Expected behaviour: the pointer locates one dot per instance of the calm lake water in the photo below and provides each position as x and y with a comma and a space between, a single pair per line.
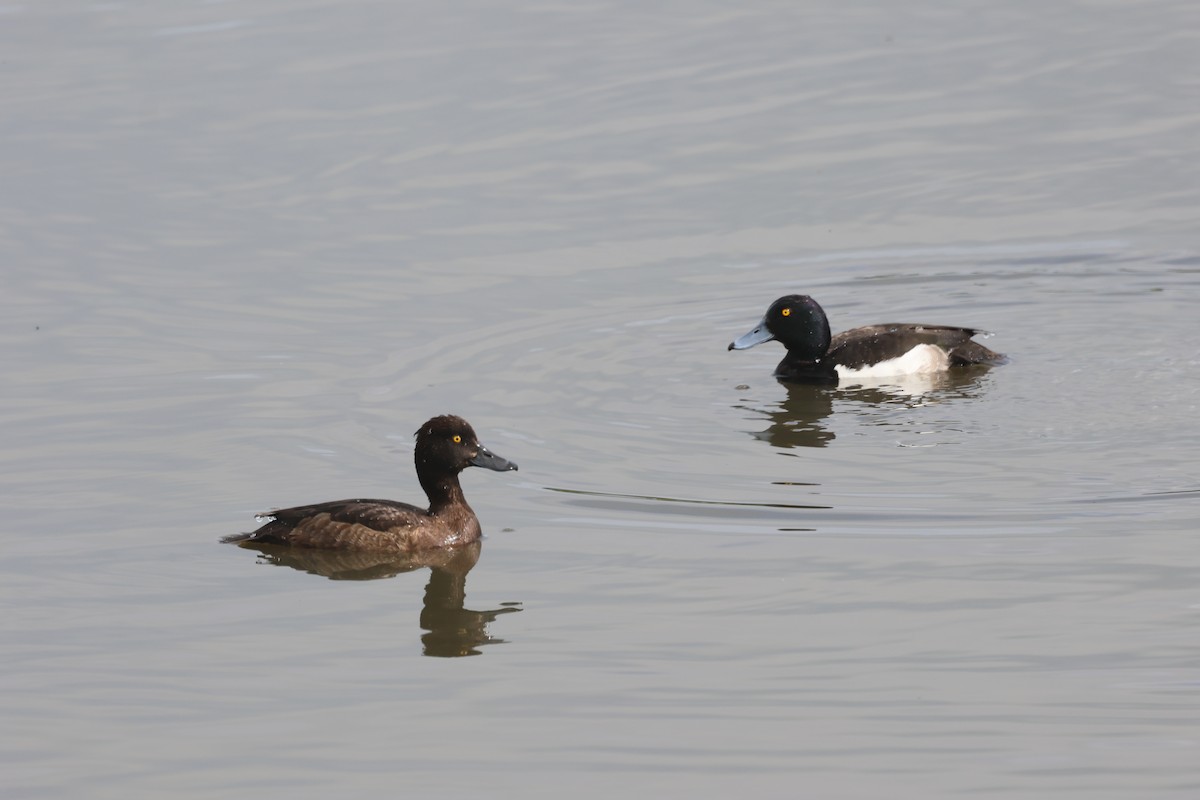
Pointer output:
248, 247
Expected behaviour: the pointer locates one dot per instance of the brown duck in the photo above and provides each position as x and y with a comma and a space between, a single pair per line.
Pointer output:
446, 446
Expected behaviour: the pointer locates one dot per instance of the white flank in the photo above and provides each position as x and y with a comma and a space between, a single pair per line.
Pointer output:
924, 359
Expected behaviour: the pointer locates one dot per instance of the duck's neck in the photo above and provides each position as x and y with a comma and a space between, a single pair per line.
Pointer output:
446, 502
443, 492
806, 369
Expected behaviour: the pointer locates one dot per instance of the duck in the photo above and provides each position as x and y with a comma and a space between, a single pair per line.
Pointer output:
873, 351
446, 445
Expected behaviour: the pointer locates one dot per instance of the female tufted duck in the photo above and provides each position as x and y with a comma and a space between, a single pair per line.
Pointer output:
895, 348
445, 447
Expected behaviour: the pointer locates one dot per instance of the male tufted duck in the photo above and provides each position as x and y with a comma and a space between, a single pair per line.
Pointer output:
446, 446
813, 356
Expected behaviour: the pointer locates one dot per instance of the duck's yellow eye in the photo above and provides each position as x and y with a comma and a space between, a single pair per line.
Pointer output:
787, 312
457, 439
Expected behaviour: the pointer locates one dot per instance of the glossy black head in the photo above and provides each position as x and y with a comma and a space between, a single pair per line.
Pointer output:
796, 321
448, 444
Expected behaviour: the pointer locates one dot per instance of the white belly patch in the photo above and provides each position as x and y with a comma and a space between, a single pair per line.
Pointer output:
924, 359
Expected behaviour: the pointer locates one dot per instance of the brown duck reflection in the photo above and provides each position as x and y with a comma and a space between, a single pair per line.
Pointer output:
450, 628
801, 419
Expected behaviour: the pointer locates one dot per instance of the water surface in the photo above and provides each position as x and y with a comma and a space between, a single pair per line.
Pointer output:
250, 246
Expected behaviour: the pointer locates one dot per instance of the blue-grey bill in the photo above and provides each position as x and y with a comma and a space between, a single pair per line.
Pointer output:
488, 460
757, 335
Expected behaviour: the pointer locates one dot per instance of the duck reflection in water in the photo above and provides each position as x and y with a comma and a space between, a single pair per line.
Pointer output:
799, 420
451, 630
804, 417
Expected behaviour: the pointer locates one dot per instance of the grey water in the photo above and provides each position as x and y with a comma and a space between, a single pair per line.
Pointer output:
247, 247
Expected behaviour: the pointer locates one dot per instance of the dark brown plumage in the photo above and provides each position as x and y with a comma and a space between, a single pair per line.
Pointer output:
446, 446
